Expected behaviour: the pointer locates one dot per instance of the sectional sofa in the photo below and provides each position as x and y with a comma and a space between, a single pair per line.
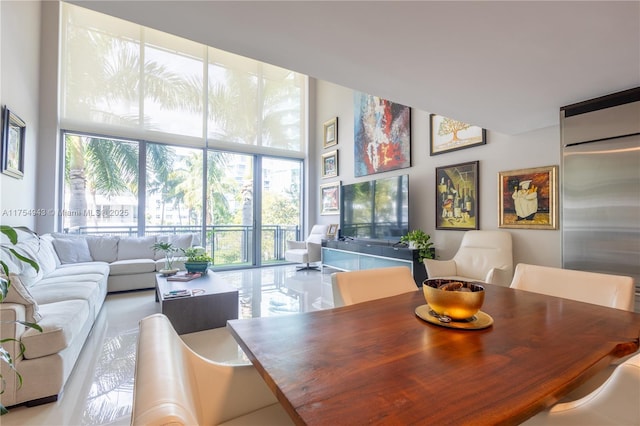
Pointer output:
64, 297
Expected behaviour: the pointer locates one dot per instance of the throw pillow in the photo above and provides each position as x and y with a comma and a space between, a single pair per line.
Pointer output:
136, 248
103, 248
72, 250
19, 293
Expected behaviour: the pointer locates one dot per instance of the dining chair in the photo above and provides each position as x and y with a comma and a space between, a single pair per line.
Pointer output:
174, 385
370, 284
614, 291
485, 256
309, 250
615, 402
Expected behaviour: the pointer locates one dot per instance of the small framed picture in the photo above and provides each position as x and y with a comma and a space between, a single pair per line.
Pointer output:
330, 164
332, 230
330, 198
330, 134
528, 198
448, 135
457, 197
13, 140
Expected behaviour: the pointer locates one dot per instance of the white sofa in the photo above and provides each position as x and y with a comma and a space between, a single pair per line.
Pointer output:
64, 297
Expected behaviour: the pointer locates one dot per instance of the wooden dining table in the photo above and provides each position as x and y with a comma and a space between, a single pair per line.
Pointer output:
377, 362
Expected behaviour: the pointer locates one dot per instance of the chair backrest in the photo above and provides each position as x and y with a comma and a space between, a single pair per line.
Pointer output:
615, 402
318, 232
614, 291
370, 284
481, 251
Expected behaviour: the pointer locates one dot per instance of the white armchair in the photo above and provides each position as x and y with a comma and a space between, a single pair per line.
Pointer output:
485, 256
308, 251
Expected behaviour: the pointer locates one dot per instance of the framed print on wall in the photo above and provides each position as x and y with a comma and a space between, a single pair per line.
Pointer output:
330, 198
448, 135
457, 196
528, 198
330, 133
13, 140
382, 135
330, 164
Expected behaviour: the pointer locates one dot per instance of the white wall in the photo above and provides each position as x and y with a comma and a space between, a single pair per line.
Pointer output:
501, 153
19, 86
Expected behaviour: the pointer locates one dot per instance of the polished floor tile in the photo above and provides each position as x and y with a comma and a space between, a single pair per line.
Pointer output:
100, 389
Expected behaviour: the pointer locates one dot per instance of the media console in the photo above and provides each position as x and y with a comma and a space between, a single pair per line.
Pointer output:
355, 255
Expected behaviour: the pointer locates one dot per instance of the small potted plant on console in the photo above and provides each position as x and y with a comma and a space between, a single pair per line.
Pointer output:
197, 260
418, 239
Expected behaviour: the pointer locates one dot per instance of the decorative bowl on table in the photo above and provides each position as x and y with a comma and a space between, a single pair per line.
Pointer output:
456, 299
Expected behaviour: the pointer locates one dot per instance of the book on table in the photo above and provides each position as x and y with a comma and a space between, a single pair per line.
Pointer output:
184, 277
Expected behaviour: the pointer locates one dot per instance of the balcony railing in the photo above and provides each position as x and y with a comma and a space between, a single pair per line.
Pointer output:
230, 245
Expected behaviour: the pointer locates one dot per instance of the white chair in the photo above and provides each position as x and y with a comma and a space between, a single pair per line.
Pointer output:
174, 385
615, 402
370, 284
485, 256
614, 291
308, 251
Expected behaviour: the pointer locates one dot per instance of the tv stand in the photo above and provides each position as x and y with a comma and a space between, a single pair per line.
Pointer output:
355, 255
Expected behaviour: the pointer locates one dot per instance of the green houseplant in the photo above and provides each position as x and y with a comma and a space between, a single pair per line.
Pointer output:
169, 252
5, 284
418, 239
197, 260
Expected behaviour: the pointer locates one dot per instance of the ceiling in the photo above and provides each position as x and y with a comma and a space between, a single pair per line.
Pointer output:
506, 66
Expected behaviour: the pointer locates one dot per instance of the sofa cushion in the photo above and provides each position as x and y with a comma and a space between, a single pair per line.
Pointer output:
80, 268
179, 241
48, 259
20, 294
52, 292
27, 273
136, 248
61, 323
103, 247
72, 250
132, 266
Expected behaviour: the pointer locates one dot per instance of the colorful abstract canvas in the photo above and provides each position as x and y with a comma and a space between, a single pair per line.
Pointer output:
382, 135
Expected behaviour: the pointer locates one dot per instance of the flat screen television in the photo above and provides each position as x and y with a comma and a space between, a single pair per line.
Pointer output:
376, 209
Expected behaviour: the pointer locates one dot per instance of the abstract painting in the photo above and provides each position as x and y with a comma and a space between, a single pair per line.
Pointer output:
382, 135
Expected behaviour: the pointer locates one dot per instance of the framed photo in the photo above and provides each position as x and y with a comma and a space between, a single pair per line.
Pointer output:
330, 164
457, 196
528, 198
330, 198
332, 230
330, 134
382, 135
13, 140
448, 135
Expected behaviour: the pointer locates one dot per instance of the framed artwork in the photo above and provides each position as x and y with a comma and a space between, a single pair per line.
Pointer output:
457, 196
330, 134
451, 135
330, 198
382, 135
528, 198
13, 140
332, 230
330, 164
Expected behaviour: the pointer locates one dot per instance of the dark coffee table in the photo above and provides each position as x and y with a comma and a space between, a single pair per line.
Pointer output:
213, 303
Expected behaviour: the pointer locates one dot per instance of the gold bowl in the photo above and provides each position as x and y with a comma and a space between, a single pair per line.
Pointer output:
463, 301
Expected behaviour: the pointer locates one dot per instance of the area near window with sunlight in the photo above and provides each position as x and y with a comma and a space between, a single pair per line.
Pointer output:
163, 135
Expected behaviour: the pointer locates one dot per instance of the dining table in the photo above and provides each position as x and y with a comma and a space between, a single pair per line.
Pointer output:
380, 362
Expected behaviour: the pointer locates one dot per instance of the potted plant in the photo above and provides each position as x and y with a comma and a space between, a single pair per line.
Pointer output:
418, 239
169, 251
197, 260
5, 283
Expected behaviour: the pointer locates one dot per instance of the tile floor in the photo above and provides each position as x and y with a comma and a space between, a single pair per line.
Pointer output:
100, 389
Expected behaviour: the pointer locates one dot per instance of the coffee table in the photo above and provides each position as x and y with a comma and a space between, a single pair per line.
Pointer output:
212, 303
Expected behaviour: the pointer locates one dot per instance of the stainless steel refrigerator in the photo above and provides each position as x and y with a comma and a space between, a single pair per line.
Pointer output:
600, 175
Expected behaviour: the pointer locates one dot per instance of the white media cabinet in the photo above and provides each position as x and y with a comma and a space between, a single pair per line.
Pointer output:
355, 255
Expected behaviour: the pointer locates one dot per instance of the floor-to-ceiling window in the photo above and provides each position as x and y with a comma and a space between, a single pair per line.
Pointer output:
191, 139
